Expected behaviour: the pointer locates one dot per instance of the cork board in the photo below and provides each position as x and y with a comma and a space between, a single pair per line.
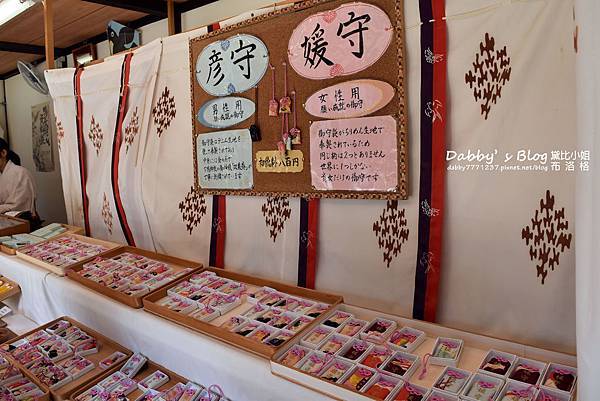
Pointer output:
275, 30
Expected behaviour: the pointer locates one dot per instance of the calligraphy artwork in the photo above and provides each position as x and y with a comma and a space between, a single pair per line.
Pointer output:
225, 112
232, 65
357, 154
350, 99
41, 137
340, 42
225, 160
271, 161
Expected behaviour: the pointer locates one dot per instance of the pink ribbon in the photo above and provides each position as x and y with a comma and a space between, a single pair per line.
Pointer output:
359, 346
484, 384
298, 352
455, 374
424, 369
398, 335
529, 368
412, 390
562, 371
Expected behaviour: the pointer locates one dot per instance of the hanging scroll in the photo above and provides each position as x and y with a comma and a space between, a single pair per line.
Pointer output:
319, 89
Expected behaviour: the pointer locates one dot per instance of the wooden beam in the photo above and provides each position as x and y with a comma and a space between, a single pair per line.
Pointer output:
153, 7
171, 13
49, 32
13, 47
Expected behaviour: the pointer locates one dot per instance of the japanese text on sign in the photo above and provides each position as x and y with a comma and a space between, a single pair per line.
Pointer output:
271, 161
225, 112
357, 154
225, 160
340, 42
233, 65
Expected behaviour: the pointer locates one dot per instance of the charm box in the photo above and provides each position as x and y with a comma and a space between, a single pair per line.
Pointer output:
482, 387
45, 233
497, 363
446, 351
63, 258
406, 339
178, 266
527, 371
452, 380
147, 370
517, 391
560, 378
260, 297
474, 349
106, 347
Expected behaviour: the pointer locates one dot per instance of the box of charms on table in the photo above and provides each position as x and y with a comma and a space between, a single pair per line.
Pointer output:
10, 244
257, 315
140, 379
128, 274
63, 355
61, 253
357, 354
16, 384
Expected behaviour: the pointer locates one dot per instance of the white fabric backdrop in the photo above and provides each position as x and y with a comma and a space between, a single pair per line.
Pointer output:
588, 196
488, 282
61, 86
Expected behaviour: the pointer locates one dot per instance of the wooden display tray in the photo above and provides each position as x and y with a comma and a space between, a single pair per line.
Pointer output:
475, 349
107, 347
134, 302
211, 328
70, 230
9, 292
21, 226
149, 368
62, 271
46, 395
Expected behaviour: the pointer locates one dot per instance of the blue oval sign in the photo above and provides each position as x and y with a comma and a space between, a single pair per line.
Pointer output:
225, 112
232, 65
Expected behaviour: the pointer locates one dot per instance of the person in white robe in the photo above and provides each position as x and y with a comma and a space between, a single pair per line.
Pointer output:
17, 191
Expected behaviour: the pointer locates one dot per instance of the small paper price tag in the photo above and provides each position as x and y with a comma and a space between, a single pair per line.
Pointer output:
5, 310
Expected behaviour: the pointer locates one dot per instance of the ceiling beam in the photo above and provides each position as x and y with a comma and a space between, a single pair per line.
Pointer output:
152, 7
191, 4
13, 47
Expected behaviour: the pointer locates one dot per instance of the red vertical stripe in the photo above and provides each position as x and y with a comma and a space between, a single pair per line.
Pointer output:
81, 150
438, 165
221, 232
117, 150
311, 254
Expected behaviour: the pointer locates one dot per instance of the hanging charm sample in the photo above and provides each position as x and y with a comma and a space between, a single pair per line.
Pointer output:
295, 131
285, 103
273, 104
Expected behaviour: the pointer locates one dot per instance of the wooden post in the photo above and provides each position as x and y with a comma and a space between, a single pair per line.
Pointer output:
172, 16
49, 32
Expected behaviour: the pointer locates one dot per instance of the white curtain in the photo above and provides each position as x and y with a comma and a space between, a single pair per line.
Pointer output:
587, 13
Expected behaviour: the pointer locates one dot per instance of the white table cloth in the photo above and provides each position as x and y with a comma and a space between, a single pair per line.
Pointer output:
243, 376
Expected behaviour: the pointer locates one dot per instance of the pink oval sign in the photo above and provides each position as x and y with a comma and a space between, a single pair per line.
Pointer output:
350, 99
340, 42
